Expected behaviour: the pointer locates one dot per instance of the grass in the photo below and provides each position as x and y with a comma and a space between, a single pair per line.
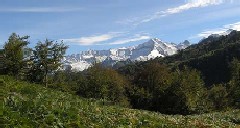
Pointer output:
31, 105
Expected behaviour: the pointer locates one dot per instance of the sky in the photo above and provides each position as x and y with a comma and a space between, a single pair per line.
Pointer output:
105, 24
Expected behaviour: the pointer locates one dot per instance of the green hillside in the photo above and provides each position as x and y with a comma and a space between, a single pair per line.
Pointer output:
31, 105
211, 56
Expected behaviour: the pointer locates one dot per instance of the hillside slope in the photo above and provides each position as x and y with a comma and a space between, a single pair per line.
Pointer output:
31, 105
211, 56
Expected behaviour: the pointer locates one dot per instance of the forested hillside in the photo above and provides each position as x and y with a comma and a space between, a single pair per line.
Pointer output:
211, 56
206, 74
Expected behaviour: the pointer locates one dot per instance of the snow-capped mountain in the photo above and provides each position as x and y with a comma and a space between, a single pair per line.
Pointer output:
142, 52
153, 48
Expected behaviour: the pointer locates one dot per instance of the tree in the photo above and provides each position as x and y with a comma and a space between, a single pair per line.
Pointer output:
150, 84
14, 54
188, 87
234, 84
48, 57
103, 83
2, 58
218, 96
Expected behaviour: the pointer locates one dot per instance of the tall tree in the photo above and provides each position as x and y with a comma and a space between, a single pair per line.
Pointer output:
189, 89
234, 84
48, 57
14, 54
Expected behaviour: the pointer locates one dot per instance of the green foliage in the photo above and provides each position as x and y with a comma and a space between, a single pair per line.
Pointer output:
202, 78
51, 108
235, 70
149, 84
47, 58
215, 67
212, 57
234, 84
103, 83
212, 62
14, 54
218, 96
189, 87
173, 92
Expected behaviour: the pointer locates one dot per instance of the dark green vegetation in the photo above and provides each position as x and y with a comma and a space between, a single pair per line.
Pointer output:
32, 105
204, 78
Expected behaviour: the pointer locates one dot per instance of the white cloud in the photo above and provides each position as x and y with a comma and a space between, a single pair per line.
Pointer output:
99, 39
132, 39
234, 26
40, 9
90, 40
190, 4
221, 31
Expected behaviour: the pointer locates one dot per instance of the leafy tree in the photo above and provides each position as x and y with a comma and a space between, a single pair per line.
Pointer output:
150, 84
14, 54
48, 57
103, 83
218, 96
189, 88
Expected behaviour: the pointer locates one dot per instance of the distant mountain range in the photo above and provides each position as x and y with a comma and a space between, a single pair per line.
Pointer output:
142, 52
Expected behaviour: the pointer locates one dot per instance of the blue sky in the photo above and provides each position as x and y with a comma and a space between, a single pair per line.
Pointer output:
104, 24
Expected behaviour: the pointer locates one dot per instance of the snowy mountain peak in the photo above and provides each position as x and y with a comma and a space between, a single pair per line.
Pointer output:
156, 40
155, 48
148, 50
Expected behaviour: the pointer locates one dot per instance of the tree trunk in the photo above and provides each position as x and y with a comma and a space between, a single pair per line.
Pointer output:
45, 79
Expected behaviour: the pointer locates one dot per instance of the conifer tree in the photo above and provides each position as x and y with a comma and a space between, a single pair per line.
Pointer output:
14, 54
48, 57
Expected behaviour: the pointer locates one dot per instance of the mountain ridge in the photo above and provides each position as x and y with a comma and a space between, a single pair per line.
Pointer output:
145, 51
